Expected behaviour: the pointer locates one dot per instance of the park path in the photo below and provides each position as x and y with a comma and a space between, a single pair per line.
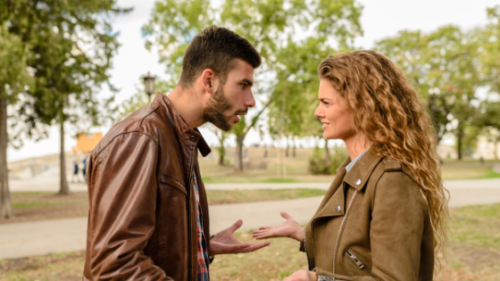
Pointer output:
62, 235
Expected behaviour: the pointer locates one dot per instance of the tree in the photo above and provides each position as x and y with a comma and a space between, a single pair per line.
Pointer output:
72, 63
68, 46
14, 78
490, 51
489, 122
269, 25
221, 137
443, 68
489, 117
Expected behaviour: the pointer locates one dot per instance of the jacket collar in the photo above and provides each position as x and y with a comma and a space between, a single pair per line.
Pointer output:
361, 171
182, 129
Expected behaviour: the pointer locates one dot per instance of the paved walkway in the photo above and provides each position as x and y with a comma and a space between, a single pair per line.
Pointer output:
42, 237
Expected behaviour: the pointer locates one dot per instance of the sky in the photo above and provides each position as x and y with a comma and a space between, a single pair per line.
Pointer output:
380, 19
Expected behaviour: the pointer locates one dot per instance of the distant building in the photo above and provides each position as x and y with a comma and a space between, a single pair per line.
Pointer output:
486, 148
446, 151
86, 142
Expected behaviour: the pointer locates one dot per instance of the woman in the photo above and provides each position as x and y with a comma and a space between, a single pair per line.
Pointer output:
383, 216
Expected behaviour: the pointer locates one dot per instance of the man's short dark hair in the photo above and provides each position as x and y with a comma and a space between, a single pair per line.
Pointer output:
215, 48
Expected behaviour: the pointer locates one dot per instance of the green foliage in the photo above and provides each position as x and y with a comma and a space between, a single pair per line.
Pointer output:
271, 26
13, 56
442, 67
319, 164
490, 50
139, 99
68, 50
291, 113
338, 157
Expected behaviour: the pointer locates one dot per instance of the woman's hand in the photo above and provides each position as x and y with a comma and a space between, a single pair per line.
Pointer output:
289, 229
302, 275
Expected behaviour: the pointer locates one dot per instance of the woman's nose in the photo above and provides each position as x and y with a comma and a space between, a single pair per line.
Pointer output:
318, 112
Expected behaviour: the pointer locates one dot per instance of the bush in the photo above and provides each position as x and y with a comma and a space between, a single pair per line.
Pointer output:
339, 156
320, 165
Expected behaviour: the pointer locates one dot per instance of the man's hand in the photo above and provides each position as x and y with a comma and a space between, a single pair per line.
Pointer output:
289, 229
302, 275
224, 242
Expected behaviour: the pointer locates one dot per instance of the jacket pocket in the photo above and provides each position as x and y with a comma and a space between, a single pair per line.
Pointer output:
165, 179
359, 263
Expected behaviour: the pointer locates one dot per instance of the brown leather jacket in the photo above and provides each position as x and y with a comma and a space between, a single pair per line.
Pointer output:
373, 224
142, 216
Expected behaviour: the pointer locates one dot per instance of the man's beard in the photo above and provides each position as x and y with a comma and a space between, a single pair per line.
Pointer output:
214, 112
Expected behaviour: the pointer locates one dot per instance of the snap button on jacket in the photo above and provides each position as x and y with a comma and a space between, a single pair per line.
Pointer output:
142, 212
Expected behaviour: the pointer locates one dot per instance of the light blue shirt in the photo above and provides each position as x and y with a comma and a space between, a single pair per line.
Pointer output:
350, 165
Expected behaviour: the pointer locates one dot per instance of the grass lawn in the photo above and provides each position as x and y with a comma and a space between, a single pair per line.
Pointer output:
32, 206
472, 254
270, 170
468, 172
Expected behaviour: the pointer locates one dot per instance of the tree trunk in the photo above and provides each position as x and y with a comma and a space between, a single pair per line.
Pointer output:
222, 149
64, 188
460, 136
221, 156
287, 148
238, 163
293, 150
5, 206
495, 149
327, 151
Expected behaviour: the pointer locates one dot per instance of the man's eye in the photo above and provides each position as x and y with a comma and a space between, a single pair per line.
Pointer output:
243, 85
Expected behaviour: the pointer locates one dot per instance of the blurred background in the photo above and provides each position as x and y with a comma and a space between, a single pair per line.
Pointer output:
70, 70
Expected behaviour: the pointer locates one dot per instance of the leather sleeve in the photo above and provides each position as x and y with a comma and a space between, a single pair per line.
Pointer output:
123, 203
396, 230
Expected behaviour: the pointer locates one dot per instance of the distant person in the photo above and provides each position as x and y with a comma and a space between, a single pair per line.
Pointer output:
75, 172
84, 169
383, 217
148, 216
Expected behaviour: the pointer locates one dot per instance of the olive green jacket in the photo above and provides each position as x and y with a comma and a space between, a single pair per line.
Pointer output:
373, 224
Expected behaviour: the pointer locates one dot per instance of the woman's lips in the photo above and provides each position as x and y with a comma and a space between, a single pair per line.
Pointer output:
324, 126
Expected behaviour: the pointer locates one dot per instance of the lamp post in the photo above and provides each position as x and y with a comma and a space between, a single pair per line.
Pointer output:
149, 83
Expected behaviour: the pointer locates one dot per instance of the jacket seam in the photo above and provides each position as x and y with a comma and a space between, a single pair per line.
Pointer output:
375, 189
153, 110
124, 133
398, 171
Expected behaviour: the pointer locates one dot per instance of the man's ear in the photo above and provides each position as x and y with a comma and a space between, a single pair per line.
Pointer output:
209, 80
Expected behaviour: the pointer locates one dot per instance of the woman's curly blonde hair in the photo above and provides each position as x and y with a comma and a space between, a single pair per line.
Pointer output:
388, 111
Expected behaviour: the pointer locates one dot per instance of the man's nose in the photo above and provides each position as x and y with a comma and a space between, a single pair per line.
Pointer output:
250, 101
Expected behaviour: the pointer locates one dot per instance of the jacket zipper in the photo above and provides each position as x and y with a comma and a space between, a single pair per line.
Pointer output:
359, 263
341, 228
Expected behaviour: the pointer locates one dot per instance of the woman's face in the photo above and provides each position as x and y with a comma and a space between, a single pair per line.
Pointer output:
334, 113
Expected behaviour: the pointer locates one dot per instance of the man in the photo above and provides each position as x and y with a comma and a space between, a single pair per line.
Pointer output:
75, 172
148, 216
